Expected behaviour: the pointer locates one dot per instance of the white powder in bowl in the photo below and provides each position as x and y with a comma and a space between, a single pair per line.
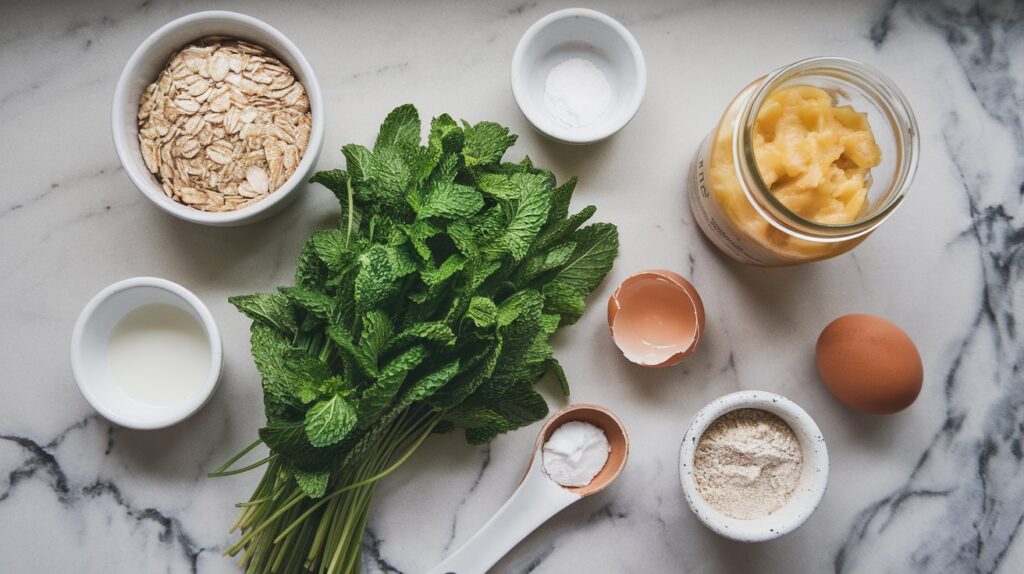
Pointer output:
748, 463
577, 93
575, 453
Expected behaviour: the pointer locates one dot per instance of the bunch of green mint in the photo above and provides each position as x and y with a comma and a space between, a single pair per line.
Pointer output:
449, 272
430, 307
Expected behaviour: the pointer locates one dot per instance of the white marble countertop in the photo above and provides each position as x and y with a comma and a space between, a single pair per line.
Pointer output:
936, 488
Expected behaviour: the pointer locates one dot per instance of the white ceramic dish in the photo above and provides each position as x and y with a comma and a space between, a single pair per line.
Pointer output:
92, 334
809, 491
579, 33
144, 66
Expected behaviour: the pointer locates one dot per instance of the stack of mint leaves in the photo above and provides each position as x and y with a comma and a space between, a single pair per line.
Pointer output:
429, 308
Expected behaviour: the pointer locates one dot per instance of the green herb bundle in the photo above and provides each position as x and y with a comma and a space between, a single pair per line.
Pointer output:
428, 309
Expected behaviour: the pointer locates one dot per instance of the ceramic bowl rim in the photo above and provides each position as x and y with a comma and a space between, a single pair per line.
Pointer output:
143, 180
763, 529
544, 124
85, 383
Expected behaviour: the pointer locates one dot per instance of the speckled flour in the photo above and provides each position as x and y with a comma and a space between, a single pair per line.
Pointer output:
747, 463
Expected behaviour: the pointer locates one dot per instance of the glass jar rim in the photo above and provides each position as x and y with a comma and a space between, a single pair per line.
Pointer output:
900, 118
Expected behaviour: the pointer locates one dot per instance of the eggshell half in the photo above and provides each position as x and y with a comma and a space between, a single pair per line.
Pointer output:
870, 364
656, 318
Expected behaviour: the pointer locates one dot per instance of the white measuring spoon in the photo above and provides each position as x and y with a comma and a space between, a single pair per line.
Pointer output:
538, 498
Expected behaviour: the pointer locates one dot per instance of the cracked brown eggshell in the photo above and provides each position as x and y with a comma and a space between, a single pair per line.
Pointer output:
658, 302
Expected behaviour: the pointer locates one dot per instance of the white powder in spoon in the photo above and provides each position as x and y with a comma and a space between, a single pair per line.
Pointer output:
577, 93
575, 453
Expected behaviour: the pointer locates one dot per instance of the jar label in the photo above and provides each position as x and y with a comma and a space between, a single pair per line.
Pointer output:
714, 222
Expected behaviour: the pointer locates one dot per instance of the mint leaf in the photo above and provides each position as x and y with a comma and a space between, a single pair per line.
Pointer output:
288, 439
543, 262
558, 232
316, 303
436, 331
491, 222
464, 238
266, 308
388, 178
451, 200
401, 127
479, 273
498, 185
486, 142
520, 303
376, 334
555, 368
527, 217
523, 405
564, 299
438, 291
418, 233
328, 421
446, 170
430, 383
558, 256
420, 161
313, 484
290, 377
375, 400
380, 270
310, 270
596, 248
482, 311
445, 135
560, 198
540, 349
357, 160
332, 247
335, 180
517, 407
450, 267
343, 338
477, 370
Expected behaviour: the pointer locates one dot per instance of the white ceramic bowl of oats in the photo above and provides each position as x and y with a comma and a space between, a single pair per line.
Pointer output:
234, 130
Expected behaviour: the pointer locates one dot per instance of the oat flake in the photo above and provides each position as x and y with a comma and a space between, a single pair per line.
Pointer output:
224, 125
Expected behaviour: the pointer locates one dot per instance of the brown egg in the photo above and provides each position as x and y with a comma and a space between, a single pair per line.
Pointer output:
869, 364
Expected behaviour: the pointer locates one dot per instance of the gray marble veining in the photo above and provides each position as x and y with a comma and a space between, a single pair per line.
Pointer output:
937, 488
969, 476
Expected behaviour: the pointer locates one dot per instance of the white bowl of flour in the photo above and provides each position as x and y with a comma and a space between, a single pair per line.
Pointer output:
753, 466
578, 76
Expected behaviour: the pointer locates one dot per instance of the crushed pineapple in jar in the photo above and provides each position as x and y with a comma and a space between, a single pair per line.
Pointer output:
815, 157
784, 177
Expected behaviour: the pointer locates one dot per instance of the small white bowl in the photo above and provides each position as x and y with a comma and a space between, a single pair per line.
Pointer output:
579, 33
805, 498
147, 62
89, 351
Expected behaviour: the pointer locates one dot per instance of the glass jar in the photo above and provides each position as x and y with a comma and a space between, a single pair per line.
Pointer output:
738, 211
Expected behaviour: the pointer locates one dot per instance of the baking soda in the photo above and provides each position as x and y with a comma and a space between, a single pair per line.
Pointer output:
577, 93
575, 453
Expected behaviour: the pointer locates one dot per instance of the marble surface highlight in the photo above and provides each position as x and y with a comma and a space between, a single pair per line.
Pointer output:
937, 488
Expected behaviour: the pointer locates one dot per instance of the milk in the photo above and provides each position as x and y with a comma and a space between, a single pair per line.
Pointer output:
159, 355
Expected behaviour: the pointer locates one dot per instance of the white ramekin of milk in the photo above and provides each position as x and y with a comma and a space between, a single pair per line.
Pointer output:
146, 353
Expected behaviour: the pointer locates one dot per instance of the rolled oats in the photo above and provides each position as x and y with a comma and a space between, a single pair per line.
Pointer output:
224, 125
